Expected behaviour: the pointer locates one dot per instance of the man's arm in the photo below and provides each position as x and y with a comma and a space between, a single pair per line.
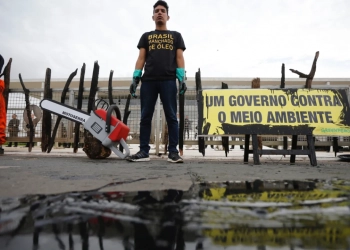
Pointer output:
180, 60
140, 62
180, 71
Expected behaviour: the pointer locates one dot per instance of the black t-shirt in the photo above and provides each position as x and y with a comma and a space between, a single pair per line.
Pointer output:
161, 46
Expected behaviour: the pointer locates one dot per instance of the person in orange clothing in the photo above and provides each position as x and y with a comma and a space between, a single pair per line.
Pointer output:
2, 109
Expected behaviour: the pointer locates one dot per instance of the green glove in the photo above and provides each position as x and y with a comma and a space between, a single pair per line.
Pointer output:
182, 88
180, 74
137, 73
135, 81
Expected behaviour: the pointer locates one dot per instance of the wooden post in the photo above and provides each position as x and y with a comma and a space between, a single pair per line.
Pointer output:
201, 143
79, 106
46, 123
110, 88
30, 121
246, 148
59, 118
126, 116
283, 84
225, 139
256, 84
294, 146
7, 73
311, 147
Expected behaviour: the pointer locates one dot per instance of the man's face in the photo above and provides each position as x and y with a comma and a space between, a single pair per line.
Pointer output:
160, 16
14, 116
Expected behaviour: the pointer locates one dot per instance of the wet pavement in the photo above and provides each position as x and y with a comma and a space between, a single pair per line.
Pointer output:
62, 170
229, 215
63, 200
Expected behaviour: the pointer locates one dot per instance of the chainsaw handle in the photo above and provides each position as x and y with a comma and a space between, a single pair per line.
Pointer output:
111, 108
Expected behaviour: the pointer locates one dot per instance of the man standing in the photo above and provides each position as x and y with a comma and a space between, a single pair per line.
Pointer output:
161, 57
12, 127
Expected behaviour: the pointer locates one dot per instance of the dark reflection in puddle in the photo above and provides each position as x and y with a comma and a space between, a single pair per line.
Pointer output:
230, 215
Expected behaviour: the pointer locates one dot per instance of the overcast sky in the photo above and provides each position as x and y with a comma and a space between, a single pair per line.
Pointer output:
224, 38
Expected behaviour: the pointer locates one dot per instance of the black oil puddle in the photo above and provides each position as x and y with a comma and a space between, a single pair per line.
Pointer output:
231, 215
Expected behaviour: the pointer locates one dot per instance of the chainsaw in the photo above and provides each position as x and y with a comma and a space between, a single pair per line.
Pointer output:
100, 123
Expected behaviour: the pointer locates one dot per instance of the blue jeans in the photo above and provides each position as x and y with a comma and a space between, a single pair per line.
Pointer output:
149, 94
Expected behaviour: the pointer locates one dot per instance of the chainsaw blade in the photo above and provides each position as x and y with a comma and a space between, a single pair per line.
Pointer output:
65, 111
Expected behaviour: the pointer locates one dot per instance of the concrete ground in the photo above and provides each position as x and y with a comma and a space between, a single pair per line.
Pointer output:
61, 170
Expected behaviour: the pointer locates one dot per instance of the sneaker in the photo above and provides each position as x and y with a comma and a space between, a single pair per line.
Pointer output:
139, 156
175, 158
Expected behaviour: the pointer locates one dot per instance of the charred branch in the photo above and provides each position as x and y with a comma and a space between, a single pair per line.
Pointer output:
30, 121
59, 118
311, 75
79, 106
46, 124
7, 72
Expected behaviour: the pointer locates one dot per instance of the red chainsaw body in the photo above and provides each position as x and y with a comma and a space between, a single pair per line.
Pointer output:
120, 131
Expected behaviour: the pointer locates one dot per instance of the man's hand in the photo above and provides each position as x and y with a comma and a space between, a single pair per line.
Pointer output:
180, 75
182, 88
135, 81
133, 86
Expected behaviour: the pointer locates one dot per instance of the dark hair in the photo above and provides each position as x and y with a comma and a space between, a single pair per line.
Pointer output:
162, 3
